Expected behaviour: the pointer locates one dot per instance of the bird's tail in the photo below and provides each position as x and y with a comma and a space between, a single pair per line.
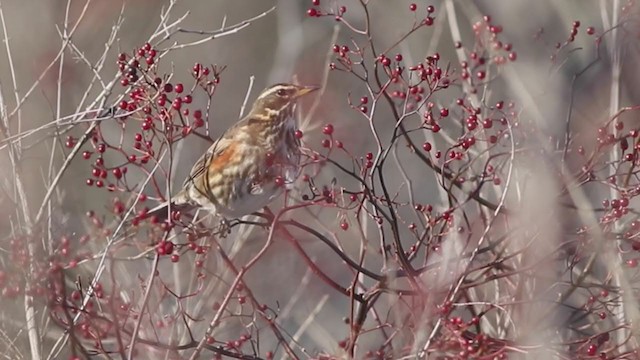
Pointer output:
156, 215
178, 203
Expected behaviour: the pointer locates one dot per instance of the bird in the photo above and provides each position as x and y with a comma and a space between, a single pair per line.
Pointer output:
250, 164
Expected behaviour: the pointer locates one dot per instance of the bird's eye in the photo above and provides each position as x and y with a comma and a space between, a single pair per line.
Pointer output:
281, 92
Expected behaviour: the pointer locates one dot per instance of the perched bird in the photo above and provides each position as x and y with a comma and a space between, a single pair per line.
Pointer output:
250, 164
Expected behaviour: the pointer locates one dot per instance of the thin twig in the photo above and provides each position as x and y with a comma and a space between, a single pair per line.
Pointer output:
246, 96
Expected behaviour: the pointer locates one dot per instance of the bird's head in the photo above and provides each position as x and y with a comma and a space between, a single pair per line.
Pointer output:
279, 99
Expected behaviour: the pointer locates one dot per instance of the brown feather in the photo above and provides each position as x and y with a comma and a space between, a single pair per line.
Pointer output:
233, 177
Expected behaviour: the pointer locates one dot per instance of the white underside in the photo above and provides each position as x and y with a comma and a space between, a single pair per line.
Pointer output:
260, 196
250, 203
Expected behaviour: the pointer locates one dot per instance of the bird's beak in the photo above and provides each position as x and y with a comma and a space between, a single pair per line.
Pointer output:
304, 90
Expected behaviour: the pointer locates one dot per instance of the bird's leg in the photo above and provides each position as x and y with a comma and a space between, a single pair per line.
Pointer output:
224, 229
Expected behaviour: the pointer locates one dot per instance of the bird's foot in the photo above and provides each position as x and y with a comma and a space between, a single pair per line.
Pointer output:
224, 229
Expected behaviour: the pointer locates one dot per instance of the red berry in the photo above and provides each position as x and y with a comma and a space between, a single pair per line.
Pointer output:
179, 88
328, 129
624, 202
160, 249
198, 123
413, 7
312, 12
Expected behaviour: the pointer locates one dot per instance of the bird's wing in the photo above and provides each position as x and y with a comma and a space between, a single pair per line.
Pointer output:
220, 151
